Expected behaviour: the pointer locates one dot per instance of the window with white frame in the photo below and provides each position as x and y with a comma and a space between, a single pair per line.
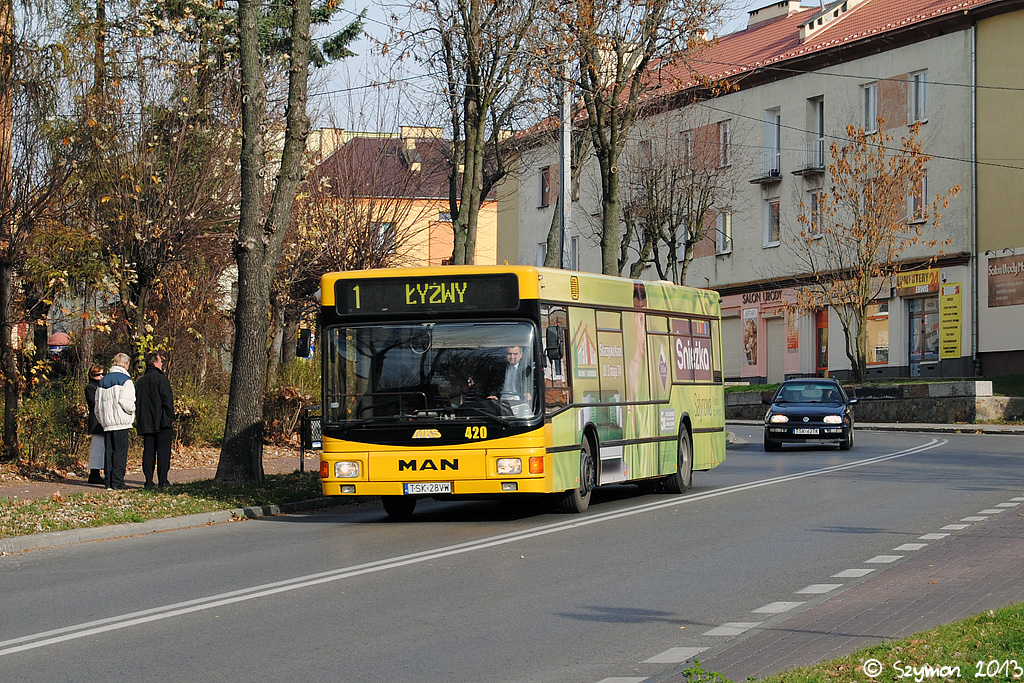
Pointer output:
725, 143
772, 142
917, 206
818, 142
385, 237
772, 223
814, 201
545, 187
444, 217
869, 98
723, 232
917, 93
542, 253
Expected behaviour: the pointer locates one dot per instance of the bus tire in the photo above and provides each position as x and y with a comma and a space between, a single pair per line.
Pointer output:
398, 506
578, 500
682, 478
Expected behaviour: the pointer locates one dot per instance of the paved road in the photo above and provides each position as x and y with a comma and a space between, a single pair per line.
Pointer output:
482, 592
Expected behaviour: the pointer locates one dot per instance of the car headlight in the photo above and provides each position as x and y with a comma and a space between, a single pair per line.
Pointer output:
346, 469
833, 419
778, 419
510, 466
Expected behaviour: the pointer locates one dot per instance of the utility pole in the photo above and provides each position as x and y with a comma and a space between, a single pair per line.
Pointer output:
565, 174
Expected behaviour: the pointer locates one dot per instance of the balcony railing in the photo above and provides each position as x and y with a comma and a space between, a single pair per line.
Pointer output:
771, 168
811, 157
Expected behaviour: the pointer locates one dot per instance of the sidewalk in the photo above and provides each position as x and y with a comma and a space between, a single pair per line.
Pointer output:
975, 570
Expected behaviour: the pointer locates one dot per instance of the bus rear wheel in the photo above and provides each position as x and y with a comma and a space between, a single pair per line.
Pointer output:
682, 479
398, 506
578, 500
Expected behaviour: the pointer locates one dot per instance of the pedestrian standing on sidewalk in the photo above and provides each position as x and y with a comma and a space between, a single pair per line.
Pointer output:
155, 402
97, 459
115, 409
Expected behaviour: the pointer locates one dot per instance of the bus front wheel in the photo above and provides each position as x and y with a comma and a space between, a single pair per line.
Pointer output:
682, 479
578, 500
398, 506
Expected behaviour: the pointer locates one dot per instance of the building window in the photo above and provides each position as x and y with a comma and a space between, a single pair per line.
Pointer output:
772, 225
869, 96
917, 207
772, 142
687, 150
917, 107
878, 333
385, 237
545, 187
724, 143
818, 143
723, 232
815, 199
444, 217
542, 252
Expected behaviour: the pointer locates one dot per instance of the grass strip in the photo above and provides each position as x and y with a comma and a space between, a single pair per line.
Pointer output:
100, 508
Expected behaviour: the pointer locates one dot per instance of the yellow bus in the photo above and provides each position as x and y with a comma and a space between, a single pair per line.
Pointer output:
498, 381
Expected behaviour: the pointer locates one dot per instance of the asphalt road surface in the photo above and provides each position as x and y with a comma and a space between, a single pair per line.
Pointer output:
479, 592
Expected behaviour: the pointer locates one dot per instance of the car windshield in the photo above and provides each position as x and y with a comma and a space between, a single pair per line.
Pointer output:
430, 370
809, 393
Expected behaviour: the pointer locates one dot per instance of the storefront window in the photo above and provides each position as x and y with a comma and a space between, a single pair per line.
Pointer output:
924, 331
878, 333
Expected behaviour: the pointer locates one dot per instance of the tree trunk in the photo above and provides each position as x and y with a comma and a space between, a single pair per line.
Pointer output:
9, 361
258, 247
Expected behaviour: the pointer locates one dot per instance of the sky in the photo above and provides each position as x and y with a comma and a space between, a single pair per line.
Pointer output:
349, 94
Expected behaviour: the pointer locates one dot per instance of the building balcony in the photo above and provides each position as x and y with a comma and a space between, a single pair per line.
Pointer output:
811, 158
771, 168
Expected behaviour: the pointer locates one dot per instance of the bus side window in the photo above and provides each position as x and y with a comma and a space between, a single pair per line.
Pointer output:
556, 385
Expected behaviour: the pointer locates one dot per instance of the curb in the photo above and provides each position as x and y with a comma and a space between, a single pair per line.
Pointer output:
56, 539
1016, 430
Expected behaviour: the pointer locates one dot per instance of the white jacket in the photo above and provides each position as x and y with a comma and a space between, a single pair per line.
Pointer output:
115, 400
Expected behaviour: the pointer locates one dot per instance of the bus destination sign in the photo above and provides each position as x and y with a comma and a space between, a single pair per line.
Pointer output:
499, 291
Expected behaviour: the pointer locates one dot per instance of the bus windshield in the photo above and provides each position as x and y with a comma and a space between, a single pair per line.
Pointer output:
430, 370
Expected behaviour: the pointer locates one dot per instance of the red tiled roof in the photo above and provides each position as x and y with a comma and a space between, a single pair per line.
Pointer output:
778, 40
381, 166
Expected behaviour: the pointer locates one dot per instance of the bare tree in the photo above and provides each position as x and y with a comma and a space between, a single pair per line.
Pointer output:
855, 231
675, 187
624, 52
485, 57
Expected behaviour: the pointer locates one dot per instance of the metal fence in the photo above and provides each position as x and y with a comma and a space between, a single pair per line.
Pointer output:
310, 435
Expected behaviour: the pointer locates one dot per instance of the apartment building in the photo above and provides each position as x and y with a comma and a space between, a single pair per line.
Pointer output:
800, 76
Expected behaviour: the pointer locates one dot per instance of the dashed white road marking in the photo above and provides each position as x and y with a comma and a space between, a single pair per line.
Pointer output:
932, 537
991, 511
777, 607
819, 588
852, 573
883, 559
1006, 505
675, 655
733, 628
910, 546
955, 527
624, 679
974, 518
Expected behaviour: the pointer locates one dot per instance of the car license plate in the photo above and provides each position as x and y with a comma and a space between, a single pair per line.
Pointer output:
429, 487
803, 431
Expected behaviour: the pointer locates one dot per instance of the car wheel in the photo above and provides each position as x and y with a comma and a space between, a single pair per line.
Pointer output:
847, 443
578, 500
682, 479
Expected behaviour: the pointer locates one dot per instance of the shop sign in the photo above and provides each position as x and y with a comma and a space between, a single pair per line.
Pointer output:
950, 320
1005, 281
766, 296
917, 282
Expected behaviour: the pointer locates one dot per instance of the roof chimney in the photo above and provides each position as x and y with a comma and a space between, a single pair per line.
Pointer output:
773, 11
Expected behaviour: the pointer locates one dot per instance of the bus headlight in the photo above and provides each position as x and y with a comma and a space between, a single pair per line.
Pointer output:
510, 466
778, 419
346, 469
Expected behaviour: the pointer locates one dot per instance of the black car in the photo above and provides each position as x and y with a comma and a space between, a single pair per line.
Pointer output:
809, 410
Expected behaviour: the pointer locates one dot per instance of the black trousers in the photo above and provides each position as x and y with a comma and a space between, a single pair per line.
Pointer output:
156, 449
116, 457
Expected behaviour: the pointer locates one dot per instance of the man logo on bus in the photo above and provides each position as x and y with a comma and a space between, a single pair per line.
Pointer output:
417, 466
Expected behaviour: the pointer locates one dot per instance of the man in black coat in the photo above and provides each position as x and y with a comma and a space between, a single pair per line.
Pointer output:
155, 413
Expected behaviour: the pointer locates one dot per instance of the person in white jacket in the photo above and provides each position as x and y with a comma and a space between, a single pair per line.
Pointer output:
115, 410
